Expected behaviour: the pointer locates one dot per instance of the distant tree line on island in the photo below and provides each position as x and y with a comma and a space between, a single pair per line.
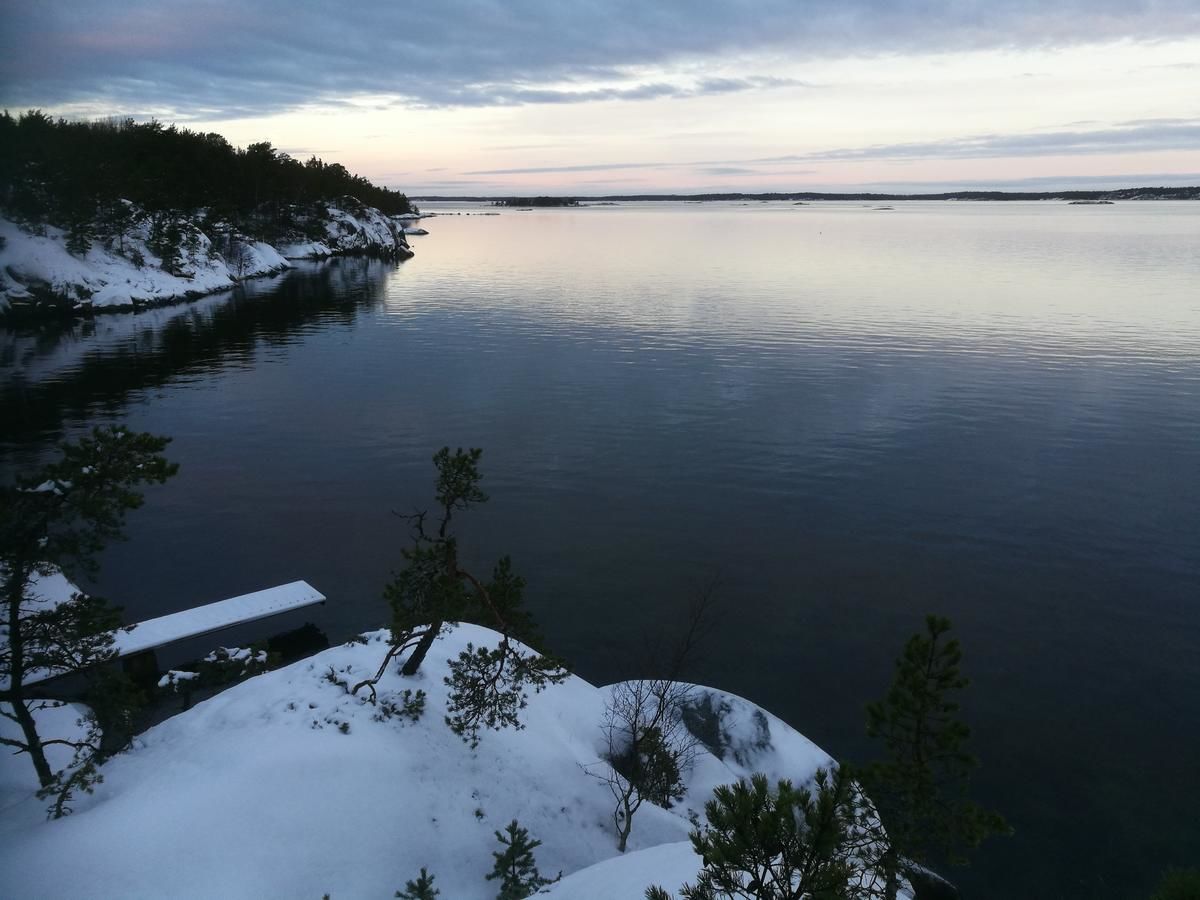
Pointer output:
535, 201
64, 172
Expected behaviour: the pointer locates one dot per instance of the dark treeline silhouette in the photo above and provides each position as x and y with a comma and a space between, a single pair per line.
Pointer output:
536, 201
62, 172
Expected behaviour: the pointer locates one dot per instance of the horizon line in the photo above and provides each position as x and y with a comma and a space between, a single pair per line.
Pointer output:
789, 195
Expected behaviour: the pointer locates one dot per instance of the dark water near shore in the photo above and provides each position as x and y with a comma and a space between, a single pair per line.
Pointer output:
852, 416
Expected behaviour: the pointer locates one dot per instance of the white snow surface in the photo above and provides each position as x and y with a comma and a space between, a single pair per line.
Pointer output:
109, 278
106, 278
366, 228
216, 616
286, 786
305, 250
18, 781
627, 877
250, 258
175, 677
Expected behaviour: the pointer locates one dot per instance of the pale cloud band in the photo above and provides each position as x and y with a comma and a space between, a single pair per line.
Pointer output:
1141, 135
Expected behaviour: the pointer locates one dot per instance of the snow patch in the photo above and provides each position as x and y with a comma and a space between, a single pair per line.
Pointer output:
305, 250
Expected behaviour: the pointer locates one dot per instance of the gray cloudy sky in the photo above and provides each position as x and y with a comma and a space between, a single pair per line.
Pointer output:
479, 95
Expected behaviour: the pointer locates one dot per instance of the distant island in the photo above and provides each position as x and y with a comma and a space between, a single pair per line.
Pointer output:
1135, 193
535, 201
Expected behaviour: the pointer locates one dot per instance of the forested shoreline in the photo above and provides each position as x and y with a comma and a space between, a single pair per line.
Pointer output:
118, 214
65, 173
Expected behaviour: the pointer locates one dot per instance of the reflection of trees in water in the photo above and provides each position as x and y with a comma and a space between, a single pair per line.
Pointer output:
213, 334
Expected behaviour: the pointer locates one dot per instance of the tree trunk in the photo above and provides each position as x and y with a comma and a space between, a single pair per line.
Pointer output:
625, 824
32, 741
16, 674
418, 655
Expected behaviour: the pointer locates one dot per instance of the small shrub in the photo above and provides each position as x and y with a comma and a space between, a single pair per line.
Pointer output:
419, 889
405, 705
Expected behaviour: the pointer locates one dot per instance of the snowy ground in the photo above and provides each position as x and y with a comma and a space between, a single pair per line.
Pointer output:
286, 786
131, 275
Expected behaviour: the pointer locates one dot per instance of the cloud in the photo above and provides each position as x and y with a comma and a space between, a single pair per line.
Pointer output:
586, 167
1141, 135
1036, 183
224, 58
492, 147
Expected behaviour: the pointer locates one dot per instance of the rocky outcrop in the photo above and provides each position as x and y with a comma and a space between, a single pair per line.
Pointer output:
159, 260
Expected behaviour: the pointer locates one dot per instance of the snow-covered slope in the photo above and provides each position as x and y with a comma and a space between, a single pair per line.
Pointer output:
627, 877
286, 786
37, 267
33, 264
351, 227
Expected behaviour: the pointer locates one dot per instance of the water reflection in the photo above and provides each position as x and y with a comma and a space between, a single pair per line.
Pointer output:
56, 372
991, 411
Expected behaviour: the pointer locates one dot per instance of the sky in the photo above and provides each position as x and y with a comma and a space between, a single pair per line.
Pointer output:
585, 97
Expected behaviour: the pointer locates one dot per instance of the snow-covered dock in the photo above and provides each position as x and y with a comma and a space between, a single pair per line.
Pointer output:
212, 617
147, 636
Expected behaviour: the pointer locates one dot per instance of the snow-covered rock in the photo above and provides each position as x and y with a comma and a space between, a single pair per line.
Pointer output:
627, 877
305, 250
351, 227
248, 258
33, 265
36, 267
287, 786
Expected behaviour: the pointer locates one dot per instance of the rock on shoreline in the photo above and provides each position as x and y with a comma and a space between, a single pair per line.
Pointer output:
39, 274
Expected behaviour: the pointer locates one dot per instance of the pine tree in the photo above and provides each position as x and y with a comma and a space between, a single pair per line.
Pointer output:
488, 685
515, 865
784, 843
920, 787
61, 517
79, 236
420, 889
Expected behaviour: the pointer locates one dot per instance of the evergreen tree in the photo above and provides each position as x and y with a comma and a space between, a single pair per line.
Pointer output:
488, 685
60, 518
79, 236
785, 843
166, 241
59, 170
515, 865
920, 787
420, 889
114, 222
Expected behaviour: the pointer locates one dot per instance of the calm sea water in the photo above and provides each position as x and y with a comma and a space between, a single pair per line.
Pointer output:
851, 416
